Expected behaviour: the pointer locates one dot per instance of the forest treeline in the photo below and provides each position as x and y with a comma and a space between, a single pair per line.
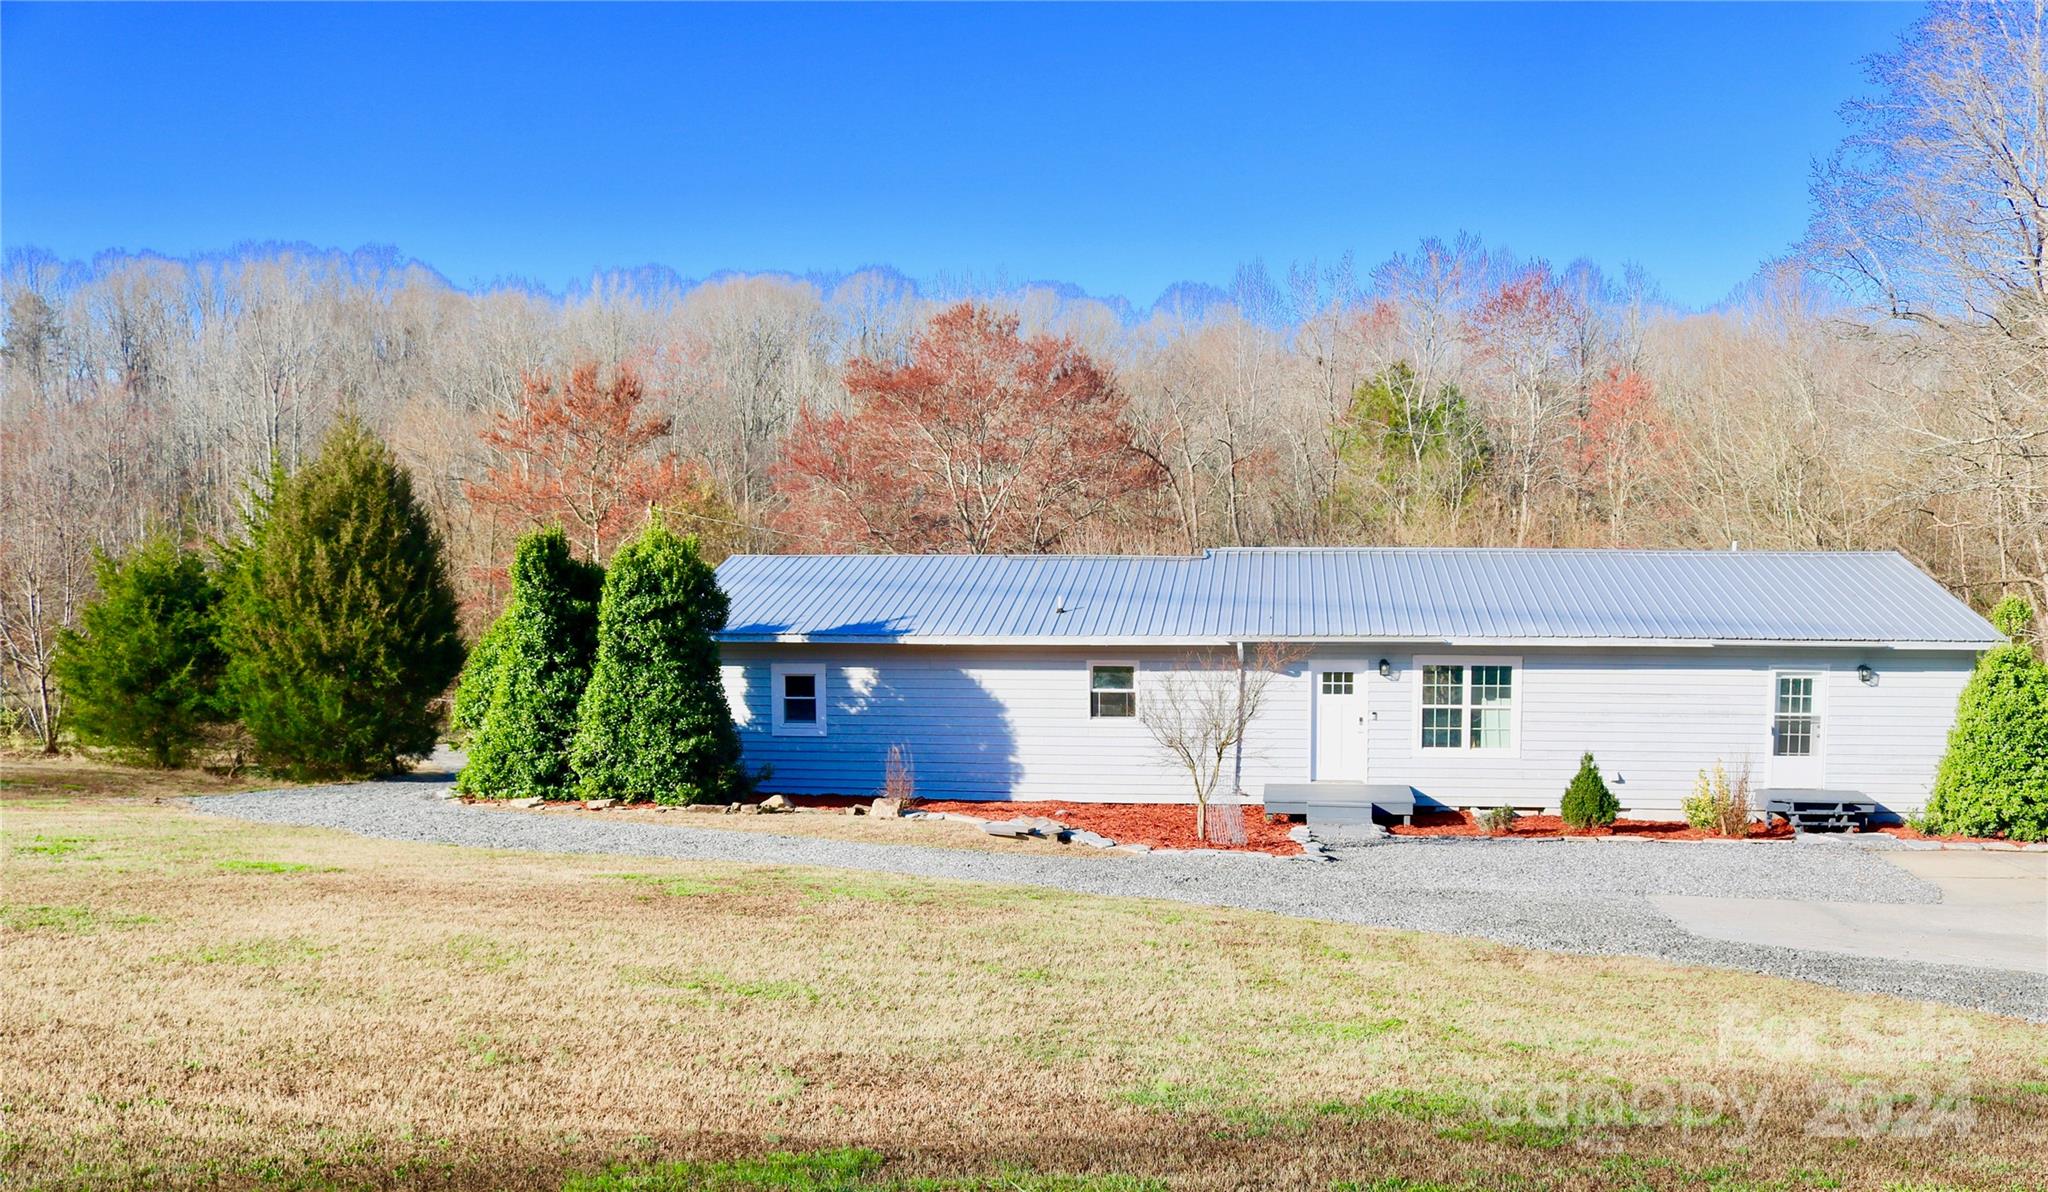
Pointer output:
1884, 387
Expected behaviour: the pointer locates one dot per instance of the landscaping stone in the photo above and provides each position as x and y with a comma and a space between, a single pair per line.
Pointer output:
599, 804
774, 803
705, 808
1300, 835
1010, 829
886, 808
535, 801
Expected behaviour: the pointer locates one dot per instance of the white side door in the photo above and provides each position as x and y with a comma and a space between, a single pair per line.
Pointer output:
1339, 727
1798, 730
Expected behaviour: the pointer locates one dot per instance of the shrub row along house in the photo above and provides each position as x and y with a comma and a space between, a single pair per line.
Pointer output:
1476, 677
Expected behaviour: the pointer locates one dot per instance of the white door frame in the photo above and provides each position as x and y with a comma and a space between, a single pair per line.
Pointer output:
1799, 772
1359, 671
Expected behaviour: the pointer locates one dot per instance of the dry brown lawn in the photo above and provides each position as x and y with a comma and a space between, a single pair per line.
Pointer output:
196, 1001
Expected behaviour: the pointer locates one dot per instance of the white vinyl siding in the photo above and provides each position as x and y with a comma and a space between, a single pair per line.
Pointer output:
997, 722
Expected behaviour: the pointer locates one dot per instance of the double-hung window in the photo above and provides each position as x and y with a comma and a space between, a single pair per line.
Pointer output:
797, 692
1795, 718
1468, 704
1112, 690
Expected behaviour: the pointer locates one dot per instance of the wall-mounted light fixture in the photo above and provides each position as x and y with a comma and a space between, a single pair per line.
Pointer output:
1386, 669
1868, 676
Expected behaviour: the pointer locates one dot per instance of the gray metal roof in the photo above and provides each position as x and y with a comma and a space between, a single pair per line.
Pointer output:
1369, 593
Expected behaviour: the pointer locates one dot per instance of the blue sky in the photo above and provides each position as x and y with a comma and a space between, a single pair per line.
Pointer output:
1120, 148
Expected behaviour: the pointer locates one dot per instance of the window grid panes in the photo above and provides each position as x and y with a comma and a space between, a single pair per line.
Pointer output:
1337, 682
1443, 707
1112, 691
799, 699
1792, 729
1493, 697
1468, 707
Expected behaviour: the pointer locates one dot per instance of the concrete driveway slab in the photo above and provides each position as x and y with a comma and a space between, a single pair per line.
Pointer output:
1993, 913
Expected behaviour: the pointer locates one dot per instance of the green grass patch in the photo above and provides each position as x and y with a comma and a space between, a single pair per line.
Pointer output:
717, 985
262, 952
843, 1170
53, 846
481, 952
1345, 1032
66, 920
270, 867
846, 1169
1413, 1104
674, 887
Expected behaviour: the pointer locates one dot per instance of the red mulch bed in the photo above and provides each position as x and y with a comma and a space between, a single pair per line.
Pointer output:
1907, 832
1161, 825
1537, 827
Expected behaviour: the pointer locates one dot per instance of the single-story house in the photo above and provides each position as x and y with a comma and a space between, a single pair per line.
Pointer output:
1476, 677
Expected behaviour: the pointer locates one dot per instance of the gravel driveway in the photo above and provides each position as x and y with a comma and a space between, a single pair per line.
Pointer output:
1570, 896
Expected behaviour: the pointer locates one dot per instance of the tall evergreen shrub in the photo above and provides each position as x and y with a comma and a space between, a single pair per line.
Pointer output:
1993, 781
141, 673
654, 723
545, 644
339, 620
1587, 801
479, 681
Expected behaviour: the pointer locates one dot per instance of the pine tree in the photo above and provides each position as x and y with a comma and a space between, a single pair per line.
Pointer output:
1587, 801
654, 723
545, 644
142, 674
339, 620
1993, 780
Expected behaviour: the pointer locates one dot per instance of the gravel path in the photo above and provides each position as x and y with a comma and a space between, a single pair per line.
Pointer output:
1570, 896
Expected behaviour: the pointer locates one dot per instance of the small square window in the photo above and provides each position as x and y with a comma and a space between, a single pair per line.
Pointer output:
1112, 692
797, 699
1337, 682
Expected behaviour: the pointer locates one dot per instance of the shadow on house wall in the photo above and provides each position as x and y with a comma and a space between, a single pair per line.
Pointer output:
957, 734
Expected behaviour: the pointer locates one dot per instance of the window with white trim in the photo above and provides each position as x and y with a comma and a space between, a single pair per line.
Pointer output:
1112, 690
1468, 705
797, 699
1792, 725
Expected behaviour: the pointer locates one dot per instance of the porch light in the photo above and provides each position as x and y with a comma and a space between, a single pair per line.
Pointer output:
1386, 669
1868, 676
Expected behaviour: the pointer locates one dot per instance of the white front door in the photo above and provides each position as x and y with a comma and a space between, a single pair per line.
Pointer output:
1339, 746
1798, 735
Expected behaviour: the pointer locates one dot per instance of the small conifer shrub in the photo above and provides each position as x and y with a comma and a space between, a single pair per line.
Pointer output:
1587, 801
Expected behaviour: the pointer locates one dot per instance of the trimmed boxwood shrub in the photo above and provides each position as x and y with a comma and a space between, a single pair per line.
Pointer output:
1993, 780
543, 645
1587, 801
654, 724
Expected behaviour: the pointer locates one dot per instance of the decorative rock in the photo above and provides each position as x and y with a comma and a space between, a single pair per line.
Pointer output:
533, 802
1009, 829
705, 808
774, 803
746, 809
1300, 835
1093, 840
599, 804
886, 808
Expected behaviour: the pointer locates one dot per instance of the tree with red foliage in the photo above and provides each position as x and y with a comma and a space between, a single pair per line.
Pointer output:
582, 453
1622, 441
982, 442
